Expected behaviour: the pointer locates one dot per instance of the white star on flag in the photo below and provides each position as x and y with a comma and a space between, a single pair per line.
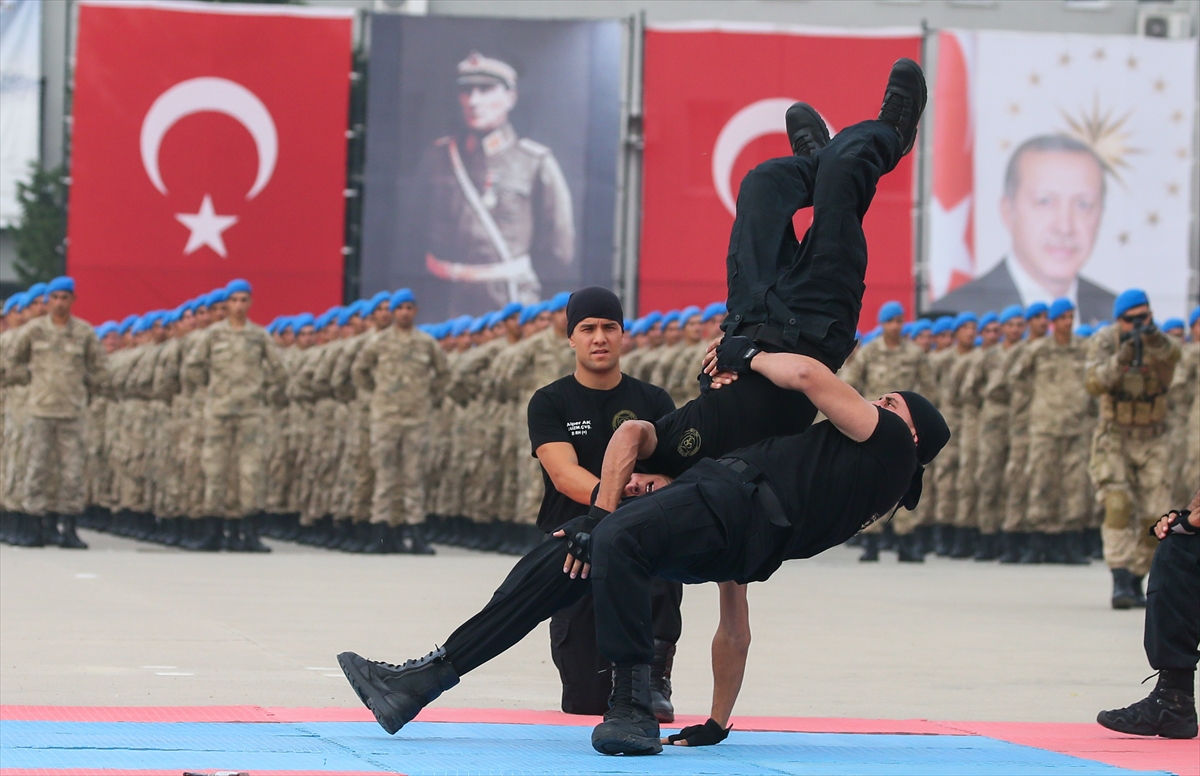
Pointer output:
206, 227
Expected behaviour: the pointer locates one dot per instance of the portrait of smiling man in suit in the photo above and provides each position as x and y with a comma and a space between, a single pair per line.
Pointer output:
1052, 205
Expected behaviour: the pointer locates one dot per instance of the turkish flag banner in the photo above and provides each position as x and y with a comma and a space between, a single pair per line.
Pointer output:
714, 105
208, 143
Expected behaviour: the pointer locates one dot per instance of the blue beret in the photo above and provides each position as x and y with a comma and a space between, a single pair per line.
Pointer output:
943, 324
1195, 316
273, 325
890, 310
172, 316
1084, 331
1010, 312
670, 318
509, 310
36, 290
285, 323
922, 325
1129, 299
627, 324
688, 312
400, 297
9, 304
239, 286
1171, 324
1036, 309
906, 330
346, 313
382, 297
106, 328
712, 311
558, 301
128, 322
528, 314
869, 337
61, 283
965, 317
477, 325
302, 320
460, 325
217, 295
323, 320
652, 317
1060, 306
988, 317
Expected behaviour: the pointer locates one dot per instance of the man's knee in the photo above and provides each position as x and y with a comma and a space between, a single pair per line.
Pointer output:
1118, 509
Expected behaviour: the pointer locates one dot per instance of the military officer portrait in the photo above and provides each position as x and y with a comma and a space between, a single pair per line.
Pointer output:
491, 158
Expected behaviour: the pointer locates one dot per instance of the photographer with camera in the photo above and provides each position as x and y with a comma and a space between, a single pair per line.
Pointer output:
1129, 367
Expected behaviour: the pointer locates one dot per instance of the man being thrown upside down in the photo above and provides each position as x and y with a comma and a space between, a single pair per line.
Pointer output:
756, 484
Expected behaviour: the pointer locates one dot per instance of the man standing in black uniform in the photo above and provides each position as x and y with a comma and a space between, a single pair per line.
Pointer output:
786, 295
570, 423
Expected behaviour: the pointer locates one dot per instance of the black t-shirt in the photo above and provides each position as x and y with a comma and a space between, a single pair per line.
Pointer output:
829, 486
585, 418
718, 422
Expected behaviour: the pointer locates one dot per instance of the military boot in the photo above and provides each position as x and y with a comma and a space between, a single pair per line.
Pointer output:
68, 539
908, 548
870, 545
1123, 596
233, 536
210, 535
1139, 595
1169, 711
396, 693
27, 531
660, 681
887, 537
1094, 543
250, 540
987, 546
417, 543
359, 538
173, 530
381, 540
1056, 550
1035, 548
943, 539
290, 527
924, 540
1013, 546
964, 543
629, 726
50, 535
8, 524
806, 130
1074, 551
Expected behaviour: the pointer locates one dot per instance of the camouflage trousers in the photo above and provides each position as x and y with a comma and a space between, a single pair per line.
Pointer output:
946, 474
358, 457
191, 453
232, 459
1129, 469
482, 464
1059, 494
989, 471
1016, 482
12, 454
966, 484
397, 455
54, 466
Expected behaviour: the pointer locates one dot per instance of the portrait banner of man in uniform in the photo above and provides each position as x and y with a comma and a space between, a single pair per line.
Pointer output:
491, 159
1062, 168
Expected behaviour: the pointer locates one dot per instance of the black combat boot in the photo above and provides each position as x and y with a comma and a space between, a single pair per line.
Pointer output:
68, 539
924, 540
289, 527
1169, 711
29, 531
396, 693
904, 101
1074, 551
887, 538
339, 534
381, 540
210, 537
1013, 543
1035, 548
172, 533
943, 539
417, 543
806, 130
870, 545
964, 543
987, 546
8, 524
1094, 543
233, 536
1056, 550
250, 540
1139, 595
908, 548
1123, 596
629, 726
50, 535
660, 681
360, 537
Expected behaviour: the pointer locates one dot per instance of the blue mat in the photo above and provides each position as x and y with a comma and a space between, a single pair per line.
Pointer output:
425, 749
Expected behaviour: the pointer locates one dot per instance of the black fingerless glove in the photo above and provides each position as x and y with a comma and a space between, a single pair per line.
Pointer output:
578, 532
1179, 525
707, 734
735, 353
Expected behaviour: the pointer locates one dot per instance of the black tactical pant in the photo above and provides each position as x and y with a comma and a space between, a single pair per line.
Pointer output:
807, 293
1173, 605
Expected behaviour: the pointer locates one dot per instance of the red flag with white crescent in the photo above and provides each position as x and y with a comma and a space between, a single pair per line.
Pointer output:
208, 143
714, 105
952, 244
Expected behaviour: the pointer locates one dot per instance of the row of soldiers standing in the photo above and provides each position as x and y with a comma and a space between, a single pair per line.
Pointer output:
1067, 442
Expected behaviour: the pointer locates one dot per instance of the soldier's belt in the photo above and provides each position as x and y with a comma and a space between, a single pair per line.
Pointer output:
519, 269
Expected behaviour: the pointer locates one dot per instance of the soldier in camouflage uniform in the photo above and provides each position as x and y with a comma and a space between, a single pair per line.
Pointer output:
63, 363
989, 376
1016, 472
405, 371
167, 388
970, 402
496, 207
679, 374
890, 363
950, 366
191, 426
239, 366
1184, 419
97, 473
1130, 366
23, 530
1058, 510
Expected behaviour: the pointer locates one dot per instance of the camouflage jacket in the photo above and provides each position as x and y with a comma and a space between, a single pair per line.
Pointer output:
241, 369
405, 373
1057, 373
1131, 395
62, 365
877, 369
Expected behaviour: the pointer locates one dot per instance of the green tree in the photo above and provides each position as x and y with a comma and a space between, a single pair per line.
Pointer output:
41, 238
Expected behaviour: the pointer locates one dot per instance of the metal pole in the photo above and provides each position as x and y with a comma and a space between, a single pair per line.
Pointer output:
632, 147
921, 184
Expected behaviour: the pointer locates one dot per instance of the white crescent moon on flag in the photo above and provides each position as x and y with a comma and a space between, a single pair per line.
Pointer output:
217, 95
756, 120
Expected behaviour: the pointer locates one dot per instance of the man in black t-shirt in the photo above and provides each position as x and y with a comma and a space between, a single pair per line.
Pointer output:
570, 423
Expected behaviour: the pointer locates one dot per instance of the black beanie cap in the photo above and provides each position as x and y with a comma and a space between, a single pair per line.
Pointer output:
932, 431
593, 302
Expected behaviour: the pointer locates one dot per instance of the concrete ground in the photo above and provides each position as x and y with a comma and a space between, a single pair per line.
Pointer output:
129, 624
